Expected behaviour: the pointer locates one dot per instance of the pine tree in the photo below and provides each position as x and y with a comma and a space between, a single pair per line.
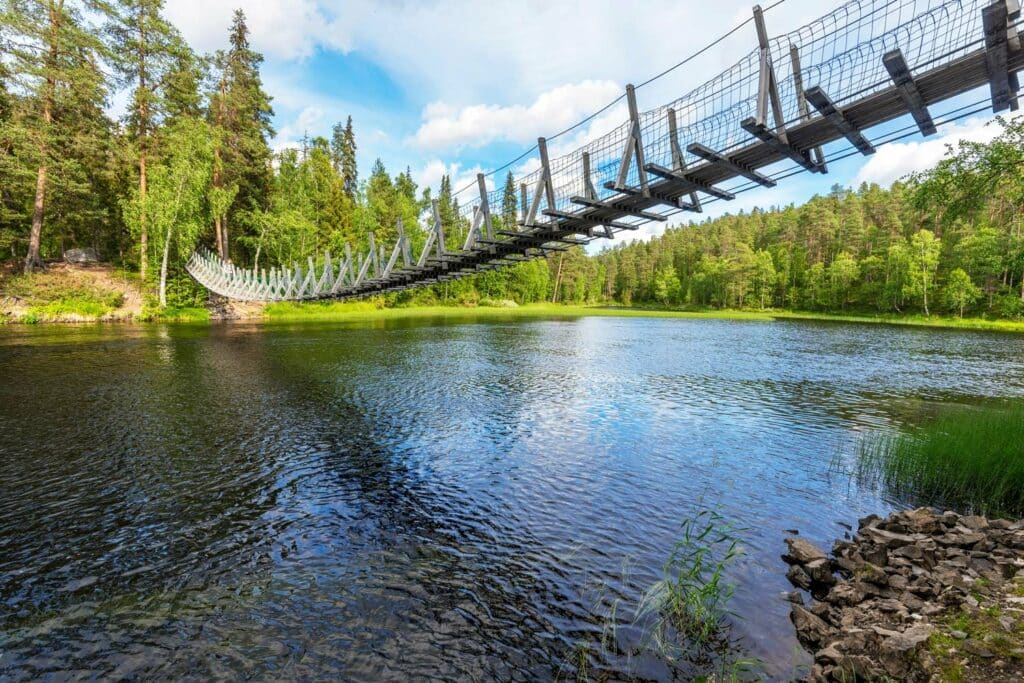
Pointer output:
62, 84
240, 111
144, 46
347, 160
508, 202
182, 96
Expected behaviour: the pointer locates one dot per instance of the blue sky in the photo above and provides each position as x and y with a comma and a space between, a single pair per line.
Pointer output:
456, 86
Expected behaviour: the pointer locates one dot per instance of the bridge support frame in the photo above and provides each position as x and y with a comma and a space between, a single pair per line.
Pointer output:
1003, 83
896, 65
632, 151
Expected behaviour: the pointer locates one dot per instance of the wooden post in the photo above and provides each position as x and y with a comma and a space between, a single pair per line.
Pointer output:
767, 87
544, 188
801, 99
634, 149
484, 206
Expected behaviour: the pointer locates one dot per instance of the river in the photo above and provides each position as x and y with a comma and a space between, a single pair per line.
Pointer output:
476, 501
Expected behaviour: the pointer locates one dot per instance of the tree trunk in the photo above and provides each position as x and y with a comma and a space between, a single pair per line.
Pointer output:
32, 259
558, 279
36, 235
227, 246
220, 236
143, 233
143, 132
163, 267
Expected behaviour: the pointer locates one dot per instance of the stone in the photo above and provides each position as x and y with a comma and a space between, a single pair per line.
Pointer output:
923, 520
802, 551
959, 635
846, 594
798, 577
975, 522
86, 255
889, 539
810, 629
794, 597
820, 572
869, 521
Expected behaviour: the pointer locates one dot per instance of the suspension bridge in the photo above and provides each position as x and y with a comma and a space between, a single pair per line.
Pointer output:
865, 64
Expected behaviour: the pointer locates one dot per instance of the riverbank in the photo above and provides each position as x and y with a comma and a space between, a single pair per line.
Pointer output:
920, 596
90, 293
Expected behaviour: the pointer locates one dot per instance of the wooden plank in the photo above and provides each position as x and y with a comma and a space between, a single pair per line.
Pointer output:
834, 115
799, 156
689, 181
598, 204
898, 70
1004, 92
736, 167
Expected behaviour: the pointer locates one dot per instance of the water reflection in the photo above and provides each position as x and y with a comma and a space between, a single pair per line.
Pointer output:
443, 501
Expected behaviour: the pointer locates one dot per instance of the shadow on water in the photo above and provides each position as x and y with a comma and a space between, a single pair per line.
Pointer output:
415, 499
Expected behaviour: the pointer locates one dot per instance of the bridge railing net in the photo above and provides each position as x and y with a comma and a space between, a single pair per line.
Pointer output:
840, 52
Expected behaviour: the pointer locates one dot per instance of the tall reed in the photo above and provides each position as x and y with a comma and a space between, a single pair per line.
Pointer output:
967, 458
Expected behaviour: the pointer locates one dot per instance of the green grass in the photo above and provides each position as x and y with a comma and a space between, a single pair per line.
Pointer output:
374, 310
968, 458
370, 310
692, 597
985, 324
65, 308
187, 314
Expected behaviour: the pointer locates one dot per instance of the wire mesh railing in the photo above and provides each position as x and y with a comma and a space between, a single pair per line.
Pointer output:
840, 53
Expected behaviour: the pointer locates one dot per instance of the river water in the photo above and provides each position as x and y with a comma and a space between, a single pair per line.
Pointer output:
395, 501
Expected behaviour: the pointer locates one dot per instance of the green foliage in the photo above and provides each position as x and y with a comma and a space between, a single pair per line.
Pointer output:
869, 249
692, 597
968, 458
959, 292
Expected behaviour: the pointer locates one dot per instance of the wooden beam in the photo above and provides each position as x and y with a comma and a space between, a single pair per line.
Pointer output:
588, 182
776, 142
597, 204
674, 202
767, 86
898, 70
484, 205
1002, 83
689, 181
544, 189
711, 156
590, 219
831, 111
801, 99
679, 160
633, 149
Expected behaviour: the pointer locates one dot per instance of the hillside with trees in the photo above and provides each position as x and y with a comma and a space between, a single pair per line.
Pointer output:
189, 164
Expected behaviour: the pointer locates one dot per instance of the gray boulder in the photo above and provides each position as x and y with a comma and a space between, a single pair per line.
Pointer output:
87, 255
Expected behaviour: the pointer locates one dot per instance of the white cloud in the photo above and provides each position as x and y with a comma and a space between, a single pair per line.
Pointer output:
288, 29
464, 51
898, 159
431, 173
446, 127
291, 134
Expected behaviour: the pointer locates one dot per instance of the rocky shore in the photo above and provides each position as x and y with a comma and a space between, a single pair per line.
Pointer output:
917, 596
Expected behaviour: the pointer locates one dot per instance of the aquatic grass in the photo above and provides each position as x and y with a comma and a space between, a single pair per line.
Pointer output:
692, 597
966, 458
